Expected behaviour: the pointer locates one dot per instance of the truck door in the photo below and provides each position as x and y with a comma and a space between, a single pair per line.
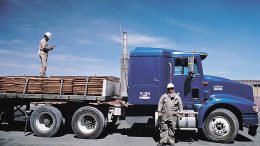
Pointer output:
189, 88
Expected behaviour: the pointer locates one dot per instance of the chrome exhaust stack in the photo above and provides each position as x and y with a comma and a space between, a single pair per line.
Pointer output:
124, 68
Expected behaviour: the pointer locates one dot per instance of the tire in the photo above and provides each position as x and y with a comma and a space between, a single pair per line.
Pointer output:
221, 125
46, 121
88, 122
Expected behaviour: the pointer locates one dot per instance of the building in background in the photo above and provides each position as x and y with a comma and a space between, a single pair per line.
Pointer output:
256, 89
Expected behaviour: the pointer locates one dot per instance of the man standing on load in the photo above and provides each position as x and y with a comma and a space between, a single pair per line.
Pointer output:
169, 106
43, 53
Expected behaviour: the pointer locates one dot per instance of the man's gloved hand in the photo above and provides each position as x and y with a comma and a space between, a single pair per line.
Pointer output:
159, 114
180, 116
51, 47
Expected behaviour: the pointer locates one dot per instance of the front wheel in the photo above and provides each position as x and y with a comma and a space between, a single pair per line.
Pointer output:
221, 125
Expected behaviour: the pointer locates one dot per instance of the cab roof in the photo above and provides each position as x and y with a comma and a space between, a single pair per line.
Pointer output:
147, 51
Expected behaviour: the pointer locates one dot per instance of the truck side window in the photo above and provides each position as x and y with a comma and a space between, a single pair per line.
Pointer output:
181, 66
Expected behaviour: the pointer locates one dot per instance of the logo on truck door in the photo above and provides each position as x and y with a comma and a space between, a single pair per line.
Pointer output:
144, 95
218, 88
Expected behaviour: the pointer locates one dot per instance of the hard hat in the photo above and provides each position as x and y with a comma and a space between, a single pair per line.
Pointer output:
48, 34
170, 85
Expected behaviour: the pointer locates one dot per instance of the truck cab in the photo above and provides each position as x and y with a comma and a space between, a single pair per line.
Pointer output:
219, 106
151, 69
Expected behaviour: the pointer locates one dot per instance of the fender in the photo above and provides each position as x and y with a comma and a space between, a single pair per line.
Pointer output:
240, 103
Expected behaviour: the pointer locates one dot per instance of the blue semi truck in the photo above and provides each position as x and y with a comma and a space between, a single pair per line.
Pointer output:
218, 106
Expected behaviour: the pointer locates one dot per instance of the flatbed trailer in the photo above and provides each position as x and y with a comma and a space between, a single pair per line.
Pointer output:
54, 105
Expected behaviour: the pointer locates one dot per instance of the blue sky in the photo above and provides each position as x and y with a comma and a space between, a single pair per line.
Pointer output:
87, 34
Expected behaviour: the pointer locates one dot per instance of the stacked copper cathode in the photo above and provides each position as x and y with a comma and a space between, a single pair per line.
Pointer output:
92, 85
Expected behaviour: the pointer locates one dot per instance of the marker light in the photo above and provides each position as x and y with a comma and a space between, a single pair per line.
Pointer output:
255, 108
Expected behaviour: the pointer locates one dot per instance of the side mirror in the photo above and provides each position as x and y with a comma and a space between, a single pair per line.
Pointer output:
191, 72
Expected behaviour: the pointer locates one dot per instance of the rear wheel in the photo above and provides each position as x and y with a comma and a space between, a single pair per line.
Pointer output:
88, 122
46, 121
221, 126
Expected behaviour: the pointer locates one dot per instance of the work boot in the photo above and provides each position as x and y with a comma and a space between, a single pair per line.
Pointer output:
43, 76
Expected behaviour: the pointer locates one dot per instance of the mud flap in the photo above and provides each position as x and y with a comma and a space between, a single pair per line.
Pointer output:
252, 130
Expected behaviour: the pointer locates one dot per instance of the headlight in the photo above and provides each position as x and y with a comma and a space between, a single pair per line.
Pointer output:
255, 108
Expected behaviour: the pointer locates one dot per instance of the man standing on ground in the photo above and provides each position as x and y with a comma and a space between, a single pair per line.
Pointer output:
169, 106
43, 52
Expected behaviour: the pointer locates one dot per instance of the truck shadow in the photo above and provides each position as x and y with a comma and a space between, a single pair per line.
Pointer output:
147, 130
144, 130
136, 130
16, 126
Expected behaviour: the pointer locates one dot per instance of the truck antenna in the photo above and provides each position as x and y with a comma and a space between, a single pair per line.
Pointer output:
119, 21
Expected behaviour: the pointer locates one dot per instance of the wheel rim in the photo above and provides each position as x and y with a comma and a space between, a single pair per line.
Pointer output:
219, 126
44, 121
87, 123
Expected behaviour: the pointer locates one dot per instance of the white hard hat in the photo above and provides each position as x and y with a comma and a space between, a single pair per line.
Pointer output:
170, 85
48, 34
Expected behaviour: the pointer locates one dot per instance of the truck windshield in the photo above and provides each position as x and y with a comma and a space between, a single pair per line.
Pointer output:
181, 66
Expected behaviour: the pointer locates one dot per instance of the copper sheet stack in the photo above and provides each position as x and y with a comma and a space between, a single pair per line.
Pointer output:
95, 85
79, 85
19, 83
67, 86
34, 85
51, 85
10, 84
6, 84
55, 85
